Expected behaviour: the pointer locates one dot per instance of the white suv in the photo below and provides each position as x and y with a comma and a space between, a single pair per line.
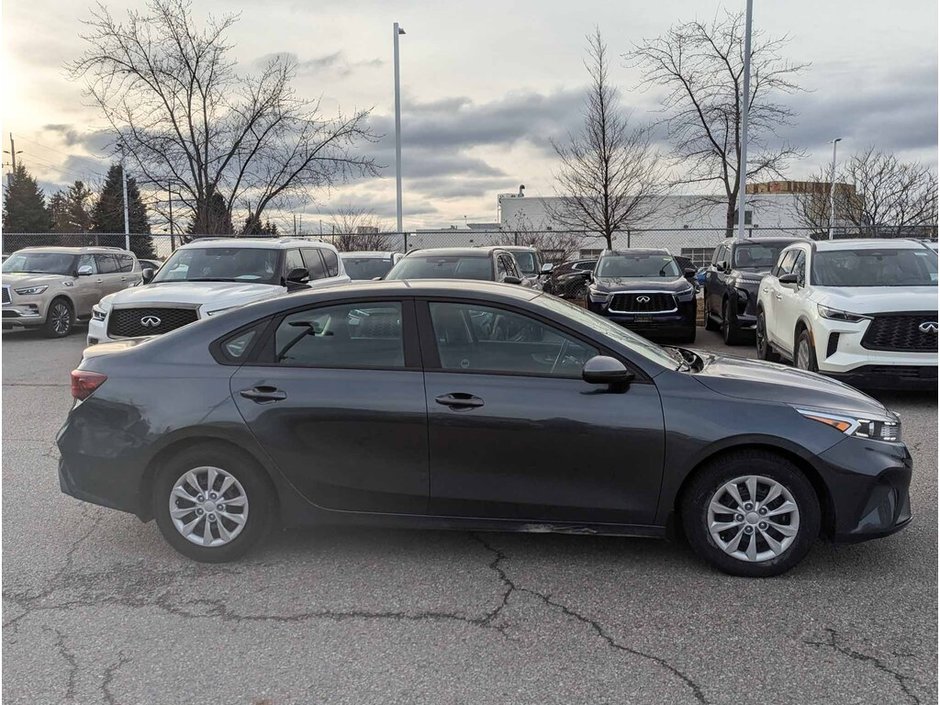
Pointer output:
210, 276
863, 311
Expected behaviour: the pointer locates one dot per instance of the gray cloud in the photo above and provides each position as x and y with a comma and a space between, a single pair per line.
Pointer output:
335, 63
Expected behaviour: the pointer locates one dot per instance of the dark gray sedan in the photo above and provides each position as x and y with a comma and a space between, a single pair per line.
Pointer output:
473, 405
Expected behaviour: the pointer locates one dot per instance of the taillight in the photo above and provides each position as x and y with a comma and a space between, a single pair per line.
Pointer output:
84, 383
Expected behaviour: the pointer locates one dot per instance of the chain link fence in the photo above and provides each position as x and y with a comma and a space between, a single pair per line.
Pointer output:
556, 246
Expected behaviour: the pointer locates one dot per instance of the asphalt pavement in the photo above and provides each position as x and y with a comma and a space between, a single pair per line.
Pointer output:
97, 608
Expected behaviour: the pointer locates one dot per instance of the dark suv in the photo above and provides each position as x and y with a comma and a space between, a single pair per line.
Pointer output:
731, 283
493, 264
646, 291
567, 279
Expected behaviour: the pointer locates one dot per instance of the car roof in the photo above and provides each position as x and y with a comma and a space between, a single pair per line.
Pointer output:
516, 248
768, 240
269, 243
638, 251
368, 254
456, 251
866, 244
88, 250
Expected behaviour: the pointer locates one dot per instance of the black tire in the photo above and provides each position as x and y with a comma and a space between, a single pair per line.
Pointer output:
257, 490
60, 318
804, 340
710, 478
730, 331
764, 351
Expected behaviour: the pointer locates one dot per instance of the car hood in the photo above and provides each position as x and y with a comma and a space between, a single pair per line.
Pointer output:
635, 284
212, 295
877, 299
766, 381
29, 279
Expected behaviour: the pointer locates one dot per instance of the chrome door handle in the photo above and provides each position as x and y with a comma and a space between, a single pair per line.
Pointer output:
263, 393
778, 296
459, 400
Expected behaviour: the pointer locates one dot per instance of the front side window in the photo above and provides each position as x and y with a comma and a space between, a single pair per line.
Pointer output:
87, 261
476, 338
639, 265
527, 263
799, 268
316, 269
418, 266
785, 265
349, 335
39, 263
242, 264
884, 267
292, 261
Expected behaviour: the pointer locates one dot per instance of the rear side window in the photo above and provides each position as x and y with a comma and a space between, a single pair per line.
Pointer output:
236, 348
126, 262
314, 262
367, 335
107, 264
332, 262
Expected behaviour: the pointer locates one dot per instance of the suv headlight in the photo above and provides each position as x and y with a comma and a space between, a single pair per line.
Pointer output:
31, 290
880, 429
598, 297
98, 314
686, 294
835, 314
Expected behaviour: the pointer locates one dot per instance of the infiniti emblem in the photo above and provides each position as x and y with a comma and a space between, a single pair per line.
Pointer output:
150, 321
643, 299
929, 327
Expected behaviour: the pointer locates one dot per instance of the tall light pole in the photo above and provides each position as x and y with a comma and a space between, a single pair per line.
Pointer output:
396, 31
745, 105
127, 224
832, 185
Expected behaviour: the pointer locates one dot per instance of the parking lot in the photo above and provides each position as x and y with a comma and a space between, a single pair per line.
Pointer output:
97, 608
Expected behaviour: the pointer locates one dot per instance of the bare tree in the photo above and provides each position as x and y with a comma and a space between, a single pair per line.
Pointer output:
556, 245
357, 229
611, 177
701, 68
875, 193
192, 124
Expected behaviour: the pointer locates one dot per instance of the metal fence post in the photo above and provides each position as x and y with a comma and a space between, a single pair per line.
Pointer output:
404, 240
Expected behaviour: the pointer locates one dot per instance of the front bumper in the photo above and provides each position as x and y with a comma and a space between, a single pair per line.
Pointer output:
25, 314
868, 483
97, 332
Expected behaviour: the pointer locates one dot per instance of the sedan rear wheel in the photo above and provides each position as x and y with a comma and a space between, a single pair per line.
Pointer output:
211, 504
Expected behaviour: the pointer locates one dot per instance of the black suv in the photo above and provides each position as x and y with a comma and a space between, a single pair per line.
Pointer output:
646, 291
567, 279
493, 264
731, 283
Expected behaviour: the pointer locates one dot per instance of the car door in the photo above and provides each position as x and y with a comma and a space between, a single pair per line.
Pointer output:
336, 397
772, 295
789, 302
515, 433
109, 273
715, 281
86, 288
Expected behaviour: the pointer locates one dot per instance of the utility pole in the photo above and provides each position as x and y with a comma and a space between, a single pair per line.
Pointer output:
12, 152
169, 195
745, 106
832, 185
127, 222
396, 31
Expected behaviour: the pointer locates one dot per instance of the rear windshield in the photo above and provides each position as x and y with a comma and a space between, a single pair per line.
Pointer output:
888, 267
242, 264
443, 267
526, 261
40, 263
757, 255
638, 265
366, 267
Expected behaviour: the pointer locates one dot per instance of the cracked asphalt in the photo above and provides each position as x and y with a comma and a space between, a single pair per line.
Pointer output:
97, 608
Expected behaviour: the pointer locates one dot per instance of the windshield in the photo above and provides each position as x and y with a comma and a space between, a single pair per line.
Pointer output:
650, 350
757, 255
526, 262
443, 267
638, 265
366, 267
40, 263
888, 267
247, 264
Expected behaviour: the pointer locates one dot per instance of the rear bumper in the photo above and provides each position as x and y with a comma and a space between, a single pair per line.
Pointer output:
869, 483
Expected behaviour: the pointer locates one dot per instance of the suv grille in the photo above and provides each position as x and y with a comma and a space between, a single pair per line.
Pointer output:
643, 303
127, 322
901, 332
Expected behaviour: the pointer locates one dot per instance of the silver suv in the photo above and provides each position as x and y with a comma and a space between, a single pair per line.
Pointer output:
52, 287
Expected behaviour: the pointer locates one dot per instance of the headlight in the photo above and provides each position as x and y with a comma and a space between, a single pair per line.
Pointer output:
686, 294
598, 297
31, 290
98, 314
880, 429
835, 314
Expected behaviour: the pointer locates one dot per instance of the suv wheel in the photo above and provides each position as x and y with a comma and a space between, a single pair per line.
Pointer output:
751, 513
804, 357
211, 504
59, 319
730, 331
764, 351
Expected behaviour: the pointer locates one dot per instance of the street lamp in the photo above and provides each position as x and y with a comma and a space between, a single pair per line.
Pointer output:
745, 107
396, 31
832, 185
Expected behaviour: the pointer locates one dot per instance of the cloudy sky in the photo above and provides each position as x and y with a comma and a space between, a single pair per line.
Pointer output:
486, 85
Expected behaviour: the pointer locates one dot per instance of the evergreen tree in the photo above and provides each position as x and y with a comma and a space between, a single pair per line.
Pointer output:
107, 215
212, 217
59, 212
24, 207
78, 203
254, 226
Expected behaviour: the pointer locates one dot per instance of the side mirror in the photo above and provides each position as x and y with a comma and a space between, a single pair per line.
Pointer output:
547, 268
84, 271
147, 275
298, 276
512, 280
602, 369
720, 266
688, 273
790, 279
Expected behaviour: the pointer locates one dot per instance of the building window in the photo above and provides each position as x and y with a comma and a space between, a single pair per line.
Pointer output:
700, 256
589, 254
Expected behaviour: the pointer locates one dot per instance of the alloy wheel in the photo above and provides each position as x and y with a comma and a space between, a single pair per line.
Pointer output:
753, 518
802, 354
208, 506
61, 318
760, 335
